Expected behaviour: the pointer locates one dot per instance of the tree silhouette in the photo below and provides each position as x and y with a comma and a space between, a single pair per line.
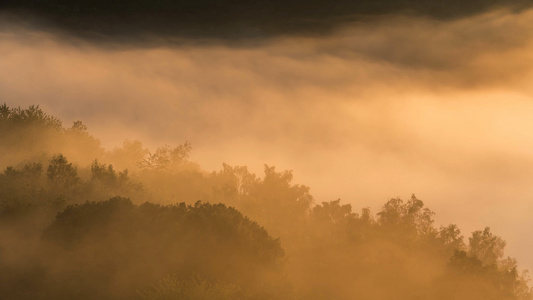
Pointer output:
140, 244
485, 246
62, 173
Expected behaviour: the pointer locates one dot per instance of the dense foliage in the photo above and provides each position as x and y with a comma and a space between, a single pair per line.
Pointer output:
70, 231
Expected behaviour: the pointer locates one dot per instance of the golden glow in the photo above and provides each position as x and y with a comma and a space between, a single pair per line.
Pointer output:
379, 110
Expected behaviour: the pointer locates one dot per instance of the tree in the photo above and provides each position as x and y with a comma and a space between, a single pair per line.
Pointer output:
115, 240
333, 212
32, 116
166, 158
130, 156
79, 127
411, 218
450, 239
104, 173
487, 247
62, 173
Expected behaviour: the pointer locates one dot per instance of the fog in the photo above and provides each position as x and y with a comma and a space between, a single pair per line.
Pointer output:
376, 109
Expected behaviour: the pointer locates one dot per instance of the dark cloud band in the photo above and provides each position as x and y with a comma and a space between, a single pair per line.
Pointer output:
229, 19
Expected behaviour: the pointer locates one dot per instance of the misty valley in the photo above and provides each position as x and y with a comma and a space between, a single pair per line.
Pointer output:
78, 221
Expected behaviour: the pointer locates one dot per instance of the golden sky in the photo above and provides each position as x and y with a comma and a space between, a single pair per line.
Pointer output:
385, 108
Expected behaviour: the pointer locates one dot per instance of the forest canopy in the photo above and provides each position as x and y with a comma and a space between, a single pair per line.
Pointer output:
82, 222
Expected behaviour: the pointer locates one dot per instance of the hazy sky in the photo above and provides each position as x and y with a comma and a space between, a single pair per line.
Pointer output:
373, 110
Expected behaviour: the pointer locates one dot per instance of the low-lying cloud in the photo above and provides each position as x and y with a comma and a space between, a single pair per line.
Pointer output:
375, 110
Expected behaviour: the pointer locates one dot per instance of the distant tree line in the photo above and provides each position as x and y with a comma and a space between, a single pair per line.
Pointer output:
162, 228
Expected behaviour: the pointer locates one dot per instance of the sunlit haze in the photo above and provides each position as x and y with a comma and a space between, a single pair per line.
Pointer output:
373, 110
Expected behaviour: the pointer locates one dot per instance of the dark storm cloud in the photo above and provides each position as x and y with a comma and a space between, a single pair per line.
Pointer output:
131, 21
